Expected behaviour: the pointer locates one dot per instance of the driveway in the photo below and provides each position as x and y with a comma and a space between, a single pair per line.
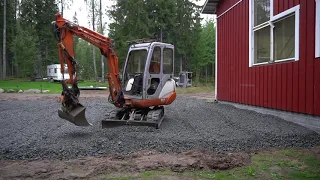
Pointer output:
32, 129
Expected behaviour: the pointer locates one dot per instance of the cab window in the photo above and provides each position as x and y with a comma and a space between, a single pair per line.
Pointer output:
136, 61
167, 61
154, 67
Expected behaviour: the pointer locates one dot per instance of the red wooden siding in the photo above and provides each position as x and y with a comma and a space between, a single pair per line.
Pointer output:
290, 86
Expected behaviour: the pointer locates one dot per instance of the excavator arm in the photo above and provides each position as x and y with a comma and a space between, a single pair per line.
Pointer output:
64, 31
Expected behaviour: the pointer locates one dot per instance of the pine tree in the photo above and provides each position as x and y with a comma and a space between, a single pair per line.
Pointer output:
172, 21
11, 7
25, 57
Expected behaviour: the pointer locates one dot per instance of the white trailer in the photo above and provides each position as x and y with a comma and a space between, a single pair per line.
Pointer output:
54, 72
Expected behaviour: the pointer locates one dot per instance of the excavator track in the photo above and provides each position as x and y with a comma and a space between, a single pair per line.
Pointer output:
136, 117
156, 116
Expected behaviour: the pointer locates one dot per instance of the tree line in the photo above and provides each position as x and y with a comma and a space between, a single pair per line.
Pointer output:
28, 44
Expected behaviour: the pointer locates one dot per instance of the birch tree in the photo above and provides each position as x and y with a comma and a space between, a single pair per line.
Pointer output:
101, 28
93, 19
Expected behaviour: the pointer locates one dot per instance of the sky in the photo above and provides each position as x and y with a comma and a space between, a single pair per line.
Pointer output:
81, 9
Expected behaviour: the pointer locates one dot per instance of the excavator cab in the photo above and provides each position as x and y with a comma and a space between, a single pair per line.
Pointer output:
148, 71
147, 86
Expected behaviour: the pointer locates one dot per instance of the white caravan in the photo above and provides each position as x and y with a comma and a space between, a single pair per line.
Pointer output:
54, 72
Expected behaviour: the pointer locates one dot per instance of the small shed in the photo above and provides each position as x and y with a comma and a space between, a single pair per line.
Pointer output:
268, 53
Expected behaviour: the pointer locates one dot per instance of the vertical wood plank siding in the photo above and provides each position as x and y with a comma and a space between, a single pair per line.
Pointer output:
289, 86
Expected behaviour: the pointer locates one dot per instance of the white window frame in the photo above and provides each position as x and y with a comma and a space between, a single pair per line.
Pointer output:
294, 10
317, 43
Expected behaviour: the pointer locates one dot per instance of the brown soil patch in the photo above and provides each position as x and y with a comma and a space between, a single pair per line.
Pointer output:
85, 94
96, 167
316, 151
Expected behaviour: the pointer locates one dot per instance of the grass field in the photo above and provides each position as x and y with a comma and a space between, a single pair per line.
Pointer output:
54, 87
199, 89
290, 164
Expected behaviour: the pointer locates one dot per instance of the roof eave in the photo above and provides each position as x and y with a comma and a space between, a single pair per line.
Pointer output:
210, 7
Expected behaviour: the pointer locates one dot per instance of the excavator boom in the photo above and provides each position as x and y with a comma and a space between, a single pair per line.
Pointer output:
64, 31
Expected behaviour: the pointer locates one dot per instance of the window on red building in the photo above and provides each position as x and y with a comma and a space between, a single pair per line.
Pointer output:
273, 38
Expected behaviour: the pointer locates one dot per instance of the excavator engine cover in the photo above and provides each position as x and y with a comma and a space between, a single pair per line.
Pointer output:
77, 116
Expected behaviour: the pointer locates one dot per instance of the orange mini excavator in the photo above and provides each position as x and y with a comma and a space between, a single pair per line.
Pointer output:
139, 98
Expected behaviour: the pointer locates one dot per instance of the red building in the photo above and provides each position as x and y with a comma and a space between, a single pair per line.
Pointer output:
268, 53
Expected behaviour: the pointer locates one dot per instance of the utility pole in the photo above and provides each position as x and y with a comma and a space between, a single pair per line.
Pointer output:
160, 34
4, 60
62, 8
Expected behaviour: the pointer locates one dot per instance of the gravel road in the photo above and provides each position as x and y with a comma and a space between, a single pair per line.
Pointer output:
31, 129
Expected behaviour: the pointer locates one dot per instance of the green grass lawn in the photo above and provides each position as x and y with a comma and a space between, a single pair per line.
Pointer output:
290, 164
54, 87
198, 89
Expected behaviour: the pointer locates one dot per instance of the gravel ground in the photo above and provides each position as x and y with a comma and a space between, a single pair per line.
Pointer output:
31, 129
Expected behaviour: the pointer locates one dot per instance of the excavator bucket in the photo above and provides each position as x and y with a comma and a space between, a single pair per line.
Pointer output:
76, 116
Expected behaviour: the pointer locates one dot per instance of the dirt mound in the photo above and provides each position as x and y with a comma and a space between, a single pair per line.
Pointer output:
91, 167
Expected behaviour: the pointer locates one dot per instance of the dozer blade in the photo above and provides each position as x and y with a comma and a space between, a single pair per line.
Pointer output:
76, 116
